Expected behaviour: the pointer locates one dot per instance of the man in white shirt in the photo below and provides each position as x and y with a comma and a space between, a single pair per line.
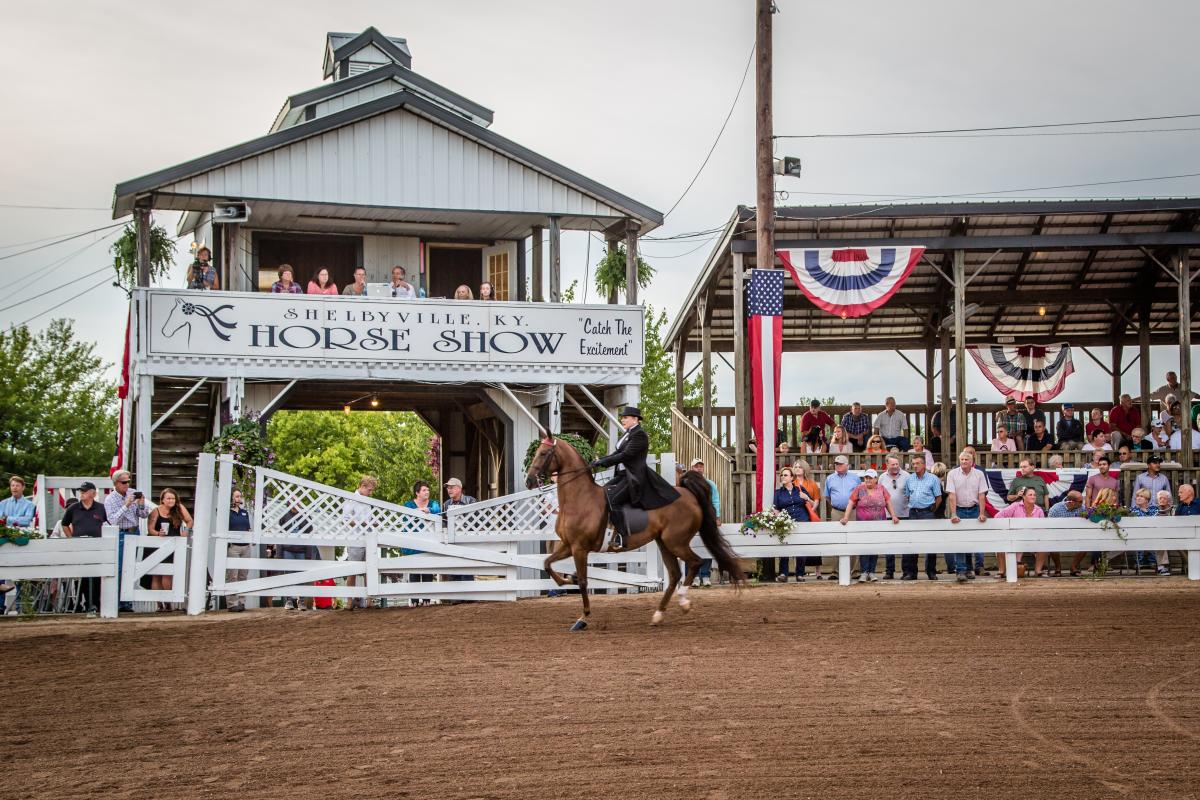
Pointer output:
892, 424
358, 516
1098, 442
966, 496
1176, 440
402, 289
892, 481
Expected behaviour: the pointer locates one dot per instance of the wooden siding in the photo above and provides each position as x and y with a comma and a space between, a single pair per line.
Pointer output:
395, 159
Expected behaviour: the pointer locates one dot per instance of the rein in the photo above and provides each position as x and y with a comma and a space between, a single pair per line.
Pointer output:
585, 469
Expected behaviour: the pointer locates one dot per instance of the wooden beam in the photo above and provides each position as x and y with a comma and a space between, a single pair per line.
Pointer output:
535, 277
960, 344
1181, 268
945, 431
1144, 388
142, 222
796, 342
631, 257
943, 244
1082, 275
740, 367
614, 245
555, 260
1015, 281
679, 351
705, 364
1116, 372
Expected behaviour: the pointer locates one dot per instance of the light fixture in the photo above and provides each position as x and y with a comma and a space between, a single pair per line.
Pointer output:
346, 408
374, 401
1041, 311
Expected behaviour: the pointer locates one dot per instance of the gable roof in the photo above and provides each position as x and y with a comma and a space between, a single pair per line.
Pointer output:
395, 72
340, 46
127, 192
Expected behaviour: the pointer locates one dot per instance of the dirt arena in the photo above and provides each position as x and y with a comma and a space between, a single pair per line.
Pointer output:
1061, 688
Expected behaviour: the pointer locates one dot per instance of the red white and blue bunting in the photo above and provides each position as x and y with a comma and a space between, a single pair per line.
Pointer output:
1021, 371
850, 282
1058, 482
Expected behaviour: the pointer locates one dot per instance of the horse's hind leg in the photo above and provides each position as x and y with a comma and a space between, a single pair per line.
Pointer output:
561, 551
581, 565
672, 566
684, 553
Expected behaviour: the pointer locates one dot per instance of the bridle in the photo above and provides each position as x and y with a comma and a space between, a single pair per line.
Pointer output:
553, 458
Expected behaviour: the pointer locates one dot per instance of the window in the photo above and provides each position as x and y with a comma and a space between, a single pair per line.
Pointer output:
497, 274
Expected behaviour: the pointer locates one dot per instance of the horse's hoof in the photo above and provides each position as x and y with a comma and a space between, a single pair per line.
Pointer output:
685, 604
578, 626
657, 618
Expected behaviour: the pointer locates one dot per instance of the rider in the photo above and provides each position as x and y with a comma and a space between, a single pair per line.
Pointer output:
633, 482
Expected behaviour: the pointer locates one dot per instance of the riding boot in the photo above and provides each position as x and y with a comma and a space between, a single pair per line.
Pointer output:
620, 528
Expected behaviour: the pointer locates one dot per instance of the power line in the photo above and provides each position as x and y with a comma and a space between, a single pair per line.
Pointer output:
736, 97
60, 241
55, 208
980, 130
106, 280
1027, 135
51, 268
703, 243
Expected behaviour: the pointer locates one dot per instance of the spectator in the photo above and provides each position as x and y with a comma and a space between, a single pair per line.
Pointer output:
1012, 419
1161, 430
1028, 479
1098, 441
803, 475
704, 575
893, 481
455, 496
1143, 506
1032, 413
892, 424
296, 524
939, 431
857, 426
1070, 506
923, 494
1001, 443
1139, 442
487, 291
799, 506
124, 507
358, 515
463, 292
840, 443
320, 284
287, 281
401, 289
1171, 387
1069, 430
876, 445
815, 417
1124, 455
1028, 507
869, 503
839, 485
1123, 418
359, 287
421, 502
239, 521
169, 518
780, 438
86, 519
1056, 461
1169, 402
1040, 440
1175, 442
17, 511
813, 442
1188, 505
202, 274
1163, 499
1095, 423
966, 488
918, 449
1103, 479
1162, 504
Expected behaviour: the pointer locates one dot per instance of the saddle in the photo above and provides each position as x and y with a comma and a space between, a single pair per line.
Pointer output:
636, 521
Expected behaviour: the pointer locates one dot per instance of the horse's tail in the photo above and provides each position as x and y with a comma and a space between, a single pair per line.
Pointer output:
710, 532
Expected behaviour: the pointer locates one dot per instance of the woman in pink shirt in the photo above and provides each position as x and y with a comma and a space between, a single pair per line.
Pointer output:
321, 284
1003, 442
1025, 508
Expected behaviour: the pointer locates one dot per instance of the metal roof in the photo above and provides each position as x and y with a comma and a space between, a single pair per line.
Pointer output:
1054, 270
339, 46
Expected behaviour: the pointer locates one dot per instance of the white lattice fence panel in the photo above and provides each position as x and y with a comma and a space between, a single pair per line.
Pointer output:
525, 513
328, 515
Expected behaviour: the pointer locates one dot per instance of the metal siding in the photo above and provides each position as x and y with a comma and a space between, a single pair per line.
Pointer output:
455, 196
412, 179
361, 161
381, 253
441, 167
471, 183
487, 174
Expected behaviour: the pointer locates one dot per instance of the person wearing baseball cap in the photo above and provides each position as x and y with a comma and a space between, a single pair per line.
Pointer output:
86, 519
1069, 429
455, 496
840, 484
1013, 420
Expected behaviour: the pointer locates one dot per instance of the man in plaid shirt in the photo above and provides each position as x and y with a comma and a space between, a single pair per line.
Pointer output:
857, 425
1013, 420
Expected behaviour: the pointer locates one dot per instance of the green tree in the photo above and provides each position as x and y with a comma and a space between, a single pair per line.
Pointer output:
57, 411
337, 448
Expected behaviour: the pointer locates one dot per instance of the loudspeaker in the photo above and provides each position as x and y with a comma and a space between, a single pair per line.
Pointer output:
230, 212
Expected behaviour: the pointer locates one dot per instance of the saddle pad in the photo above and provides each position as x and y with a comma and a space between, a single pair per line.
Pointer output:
637, 519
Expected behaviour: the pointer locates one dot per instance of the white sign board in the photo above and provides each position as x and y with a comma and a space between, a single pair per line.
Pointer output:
322, 328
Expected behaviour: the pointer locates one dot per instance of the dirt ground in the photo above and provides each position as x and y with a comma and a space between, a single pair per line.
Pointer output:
1061, 688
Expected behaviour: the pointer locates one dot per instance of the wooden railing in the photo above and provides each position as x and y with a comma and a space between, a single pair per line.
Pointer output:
1005, 460
981, 420
689, 443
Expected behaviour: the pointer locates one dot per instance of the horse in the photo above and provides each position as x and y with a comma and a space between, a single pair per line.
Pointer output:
583, 518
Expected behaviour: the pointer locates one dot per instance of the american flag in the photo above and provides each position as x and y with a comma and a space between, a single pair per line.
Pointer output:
764, 307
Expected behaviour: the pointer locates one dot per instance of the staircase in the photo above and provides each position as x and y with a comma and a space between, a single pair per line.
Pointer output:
177, 442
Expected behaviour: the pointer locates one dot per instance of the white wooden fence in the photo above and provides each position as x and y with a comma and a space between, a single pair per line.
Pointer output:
84, 557
1008, 536
148, 556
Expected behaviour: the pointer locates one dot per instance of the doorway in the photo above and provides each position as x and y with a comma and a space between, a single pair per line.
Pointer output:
341, 255
451, 267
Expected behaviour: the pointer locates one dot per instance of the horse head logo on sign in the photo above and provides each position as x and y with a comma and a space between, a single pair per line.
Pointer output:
178, 319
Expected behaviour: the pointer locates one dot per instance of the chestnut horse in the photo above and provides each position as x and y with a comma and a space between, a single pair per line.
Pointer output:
583, 518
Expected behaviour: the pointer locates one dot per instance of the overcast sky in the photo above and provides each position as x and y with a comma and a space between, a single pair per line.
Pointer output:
628, 93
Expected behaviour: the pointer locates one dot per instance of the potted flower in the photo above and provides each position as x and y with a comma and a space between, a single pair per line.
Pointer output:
777, 523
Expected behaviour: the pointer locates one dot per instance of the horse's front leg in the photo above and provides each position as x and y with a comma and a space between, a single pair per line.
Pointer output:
561, 551
581, 566
672, 565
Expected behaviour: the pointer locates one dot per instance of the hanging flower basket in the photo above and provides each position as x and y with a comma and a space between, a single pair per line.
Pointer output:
17, 536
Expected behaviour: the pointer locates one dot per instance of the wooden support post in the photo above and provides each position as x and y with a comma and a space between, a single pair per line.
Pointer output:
947, 433
960, 348
555, 261
632, 228
613, 245
704, 314
1144, 388
145, 423
764, 143
142, 222
1181, 268
536, 267
679, 353
930, 390
741, 400
1118, 352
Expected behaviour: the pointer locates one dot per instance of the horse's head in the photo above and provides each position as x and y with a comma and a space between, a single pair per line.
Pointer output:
545, 461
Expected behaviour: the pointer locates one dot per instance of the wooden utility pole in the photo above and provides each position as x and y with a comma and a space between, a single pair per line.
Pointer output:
764, 157
142, 224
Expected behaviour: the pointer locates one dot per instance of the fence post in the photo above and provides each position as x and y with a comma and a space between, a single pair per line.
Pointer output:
844, 570
197, 586
1193, 557
108, 586
372, 564
1010, 567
